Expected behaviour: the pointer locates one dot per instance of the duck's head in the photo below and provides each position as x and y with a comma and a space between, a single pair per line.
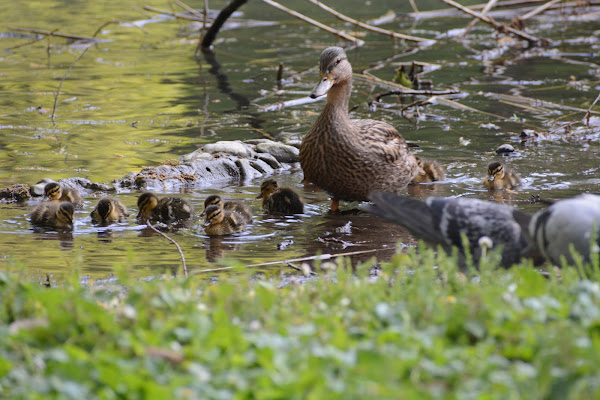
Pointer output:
214, 199
334, 68
495, 169
65, 213
267, 188
214, 215
146, 203
53, 191
105, 208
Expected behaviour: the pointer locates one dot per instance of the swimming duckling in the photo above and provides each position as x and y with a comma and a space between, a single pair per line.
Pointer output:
234, 206
53, 214
501, 178
55, 192
429, 171
220, 222
165, 210
109, 210
280, 200
350, 158
441, 221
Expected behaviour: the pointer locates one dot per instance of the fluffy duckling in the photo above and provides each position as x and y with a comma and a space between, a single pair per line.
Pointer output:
165, 210
219, 221
109, 210
234, 206
501, 178
55, 192
441, 221
428, 171
350, 158
53, 214
280, 200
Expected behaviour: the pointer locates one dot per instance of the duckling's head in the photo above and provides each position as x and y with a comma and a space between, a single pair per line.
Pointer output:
65, 213
146, 203
105, 208
210, 200
495, 169
214, 215
334, 68
420, 168
53, 191
267, 188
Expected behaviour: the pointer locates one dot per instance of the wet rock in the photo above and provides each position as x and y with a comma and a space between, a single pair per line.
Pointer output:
269, 159
281, 152
37, 190
262, 167
235, 148
18, 192
505, 149
247, 171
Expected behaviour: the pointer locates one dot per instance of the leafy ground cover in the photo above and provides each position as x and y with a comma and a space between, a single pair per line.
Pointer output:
419, 330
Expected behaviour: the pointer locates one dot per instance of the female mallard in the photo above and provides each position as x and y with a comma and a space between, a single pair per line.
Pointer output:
219, 221
165, 210
234, 206
280, 199
500, 178
53, 214
109, 210
55, 192
350, 158
429, 171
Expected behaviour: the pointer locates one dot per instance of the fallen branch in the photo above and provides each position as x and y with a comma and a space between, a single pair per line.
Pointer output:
370, 27
320, 257
474, 22
315, 23
174, 14
403, 90
539, 9
499, 27
185, 272
57, 34
585, 120
225, 13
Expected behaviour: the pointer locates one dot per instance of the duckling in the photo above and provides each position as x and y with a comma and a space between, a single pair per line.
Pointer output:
220, 222
233, 206
441, 221
501, 178
109, 210
165, 210
55, 192
429, 171
280, 200
565, 223
53, 214
350, 158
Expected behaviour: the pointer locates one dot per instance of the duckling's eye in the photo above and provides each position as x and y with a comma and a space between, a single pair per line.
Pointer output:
339, 60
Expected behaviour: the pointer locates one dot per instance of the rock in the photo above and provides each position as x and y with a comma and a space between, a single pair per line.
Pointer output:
235, 148
505, 149
281, 152
196, 156
262, 167
269, 159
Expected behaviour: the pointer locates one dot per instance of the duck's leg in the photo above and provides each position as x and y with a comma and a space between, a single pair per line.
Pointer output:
335, 205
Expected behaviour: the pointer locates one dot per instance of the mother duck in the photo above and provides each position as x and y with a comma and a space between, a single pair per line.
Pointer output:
350, 158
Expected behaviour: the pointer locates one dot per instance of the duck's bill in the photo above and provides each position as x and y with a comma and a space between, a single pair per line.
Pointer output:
322, 88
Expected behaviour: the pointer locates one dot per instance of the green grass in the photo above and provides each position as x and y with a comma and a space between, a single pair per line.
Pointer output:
416, 332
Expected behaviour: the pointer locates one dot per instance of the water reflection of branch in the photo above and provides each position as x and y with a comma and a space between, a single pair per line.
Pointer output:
172, 241
222, 80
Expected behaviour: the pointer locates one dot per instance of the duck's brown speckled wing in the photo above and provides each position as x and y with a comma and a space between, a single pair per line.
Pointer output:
382, 139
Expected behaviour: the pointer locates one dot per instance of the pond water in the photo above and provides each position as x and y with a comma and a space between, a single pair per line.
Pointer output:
141, 97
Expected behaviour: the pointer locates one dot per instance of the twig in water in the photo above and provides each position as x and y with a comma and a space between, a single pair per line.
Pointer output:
499, 27
185, 272
370, 27
315, 23
585, 120
474, 22
311, 258
57, 93
54, 33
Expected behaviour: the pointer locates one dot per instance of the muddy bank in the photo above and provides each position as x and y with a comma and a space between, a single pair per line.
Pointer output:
226, 161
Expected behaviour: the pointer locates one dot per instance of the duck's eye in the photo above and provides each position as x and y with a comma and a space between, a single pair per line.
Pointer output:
339, 60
